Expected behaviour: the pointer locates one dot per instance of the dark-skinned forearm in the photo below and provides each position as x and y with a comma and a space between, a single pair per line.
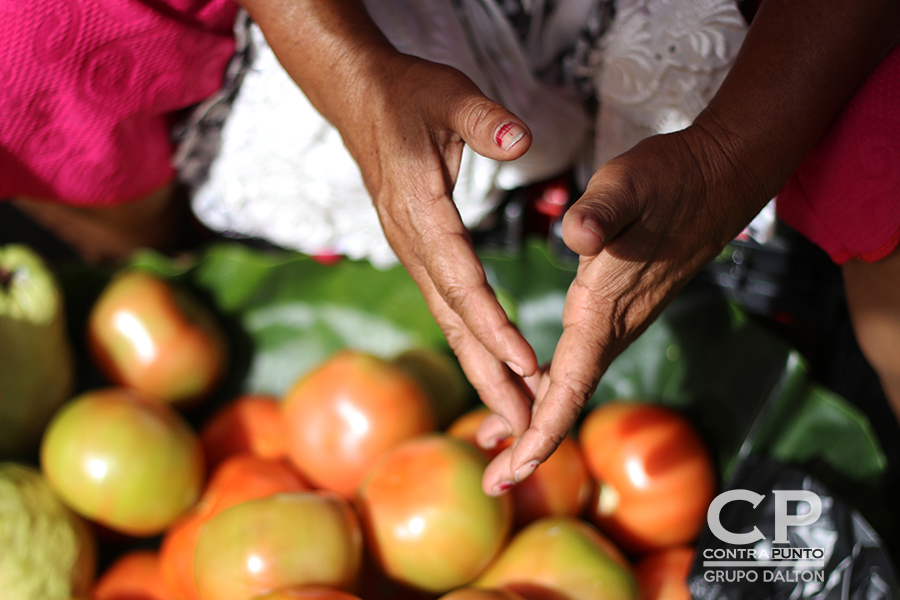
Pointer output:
800, 63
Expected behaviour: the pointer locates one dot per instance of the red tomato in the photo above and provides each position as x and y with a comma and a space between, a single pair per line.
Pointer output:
346, 413
134, 576
561, 486
129, 463
313, 592
299, 538
656, 478
663, 575
147, 334
427, 520
250, 423
239, 478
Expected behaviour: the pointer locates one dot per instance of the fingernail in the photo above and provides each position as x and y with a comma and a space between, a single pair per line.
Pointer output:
492, 443
501, 488
527, 469
516, 368
592, 225
508, 134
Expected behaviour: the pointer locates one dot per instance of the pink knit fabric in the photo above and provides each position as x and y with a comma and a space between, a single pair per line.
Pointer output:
845, 196
87, 88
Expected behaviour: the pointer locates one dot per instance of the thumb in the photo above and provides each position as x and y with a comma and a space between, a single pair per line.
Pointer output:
610, 203
487, 127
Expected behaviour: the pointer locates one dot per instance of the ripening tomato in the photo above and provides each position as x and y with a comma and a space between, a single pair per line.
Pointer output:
148, 334
474, 593
663, 575
130, 463
244, 477
560, 486
465, 427
561, 557
374, 584
656, 478
427, 521
346, 413
239, 478
133, 576
440, 376
250, 423
298, 538
313, 592
176, 556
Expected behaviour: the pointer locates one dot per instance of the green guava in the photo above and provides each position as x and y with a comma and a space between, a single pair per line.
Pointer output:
37, 371
46, 551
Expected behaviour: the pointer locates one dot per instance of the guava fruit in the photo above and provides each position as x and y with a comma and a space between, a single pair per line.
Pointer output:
37, 370
46, 551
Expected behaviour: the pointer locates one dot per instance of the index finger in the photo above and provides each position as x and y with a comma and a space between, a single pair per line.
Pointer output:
573, 375
445, 251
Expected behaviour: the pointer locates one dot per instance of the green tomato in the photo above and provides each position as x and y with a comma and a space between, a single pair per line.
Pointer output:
426, 518
291, 539
130, 463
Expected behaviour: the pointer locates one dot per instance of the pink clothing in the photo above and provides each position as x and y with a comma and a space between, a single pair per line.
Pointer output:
845, 196
88, 87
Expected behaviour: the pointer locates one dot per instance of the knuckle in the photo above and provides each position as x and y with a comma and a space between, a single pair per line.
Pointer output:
478, 112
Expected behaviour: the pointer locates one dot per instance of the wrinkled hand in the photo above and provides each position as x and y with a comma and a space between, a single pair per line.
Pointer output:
407, 139
648, 221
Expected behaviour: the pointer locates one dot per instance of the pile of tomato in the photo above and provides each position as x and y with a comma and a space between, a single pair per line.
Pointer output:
362, 481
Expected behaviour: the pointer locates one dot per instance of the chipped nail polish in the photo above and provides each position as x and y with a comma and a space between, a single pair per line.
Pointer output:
508, 134
527, 469
501, 488
494, 442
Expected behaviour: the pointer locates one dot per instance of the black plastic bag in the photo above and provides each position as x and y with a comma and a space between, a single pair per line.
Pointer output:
836, 557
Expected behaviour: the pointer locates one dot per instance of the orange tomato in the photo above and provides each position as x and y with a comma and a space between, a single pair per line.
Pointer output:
134, 576
176, 556
561, 486
655, 476
346, 413
241, 477
244, 477
250, 423
465, 427
427, 521
148, 334
663, 575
